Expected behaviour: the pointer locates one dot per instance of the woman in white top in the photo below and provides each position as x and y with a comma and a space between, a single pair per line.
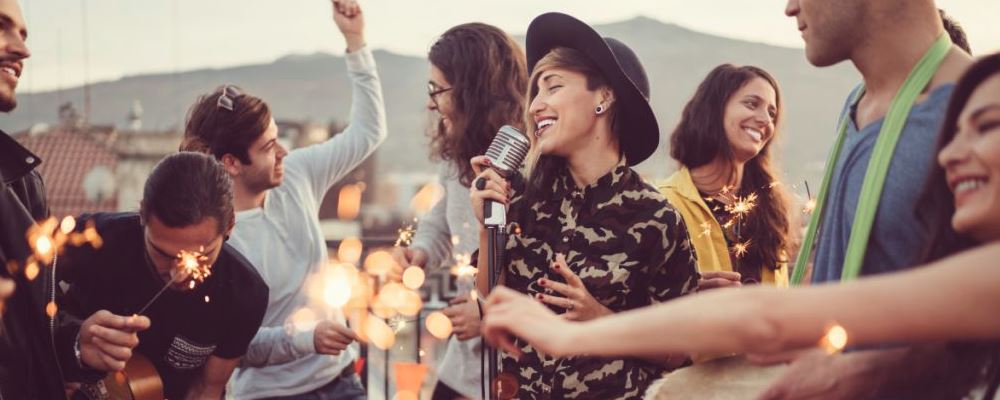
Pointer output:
476, 85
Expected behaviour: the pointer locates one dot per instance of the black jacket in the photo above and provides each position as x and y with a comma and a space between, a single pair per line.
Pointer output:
33, 347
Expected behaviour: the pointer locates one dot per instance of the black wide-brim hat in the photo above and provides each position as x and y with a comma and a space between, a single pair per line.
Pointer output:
639, 133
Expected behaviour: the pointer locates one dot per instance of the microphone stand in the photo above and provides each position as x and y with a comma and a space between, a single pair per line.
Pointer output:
495, 245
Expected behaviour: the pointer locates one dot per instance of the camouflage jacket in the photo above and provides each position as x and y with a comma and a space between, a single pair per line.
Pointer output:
629, 247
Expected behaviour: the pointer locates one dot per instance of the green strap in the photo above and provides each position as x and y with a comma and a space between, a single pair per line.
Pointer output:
878, 166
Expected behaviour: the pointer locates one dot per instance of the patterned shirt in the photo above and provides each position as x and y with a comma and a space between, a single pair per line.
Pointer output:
628, 246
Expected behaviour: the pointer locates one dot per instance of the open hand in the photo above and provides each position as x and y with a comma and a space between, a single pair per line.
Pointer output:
580, 305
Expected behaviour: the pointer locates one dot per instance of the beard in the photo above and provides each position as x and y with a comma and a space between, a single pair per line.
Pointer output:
261, 181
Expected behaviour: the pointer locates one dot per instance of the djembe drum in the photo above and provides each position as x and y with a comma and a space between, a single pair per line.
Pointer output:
727, 378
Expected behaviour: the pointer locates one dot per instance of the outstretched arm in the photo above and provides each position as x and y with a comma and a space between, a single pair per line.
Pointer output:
919, 305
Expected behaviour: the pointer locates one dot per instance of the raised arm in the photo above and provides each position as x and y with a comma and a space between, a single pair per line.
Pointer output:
322, 165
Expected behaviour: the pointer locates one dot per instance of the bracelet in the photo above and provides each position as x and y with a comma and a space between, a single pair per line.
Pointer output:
77, 352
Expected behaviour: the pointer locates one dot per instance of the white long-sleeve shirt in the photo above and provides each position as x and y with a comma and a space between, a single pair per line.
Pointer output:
284, 242
452, 218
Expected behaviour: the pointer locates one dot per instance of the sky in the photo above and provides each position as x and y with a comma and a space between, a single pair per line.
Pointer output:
132, 37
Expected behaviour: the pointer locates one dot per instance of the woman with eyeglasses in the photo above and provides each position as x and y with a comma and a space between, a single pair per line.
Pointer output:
476, 85
953, 301
588, 237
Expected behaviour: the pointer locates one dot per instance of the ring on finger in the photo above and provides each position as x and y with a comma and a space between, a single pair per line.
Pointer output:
481, 183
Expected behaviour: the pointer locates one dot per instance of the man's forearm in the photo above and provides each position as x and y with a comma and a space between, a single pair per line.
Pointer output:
354, 42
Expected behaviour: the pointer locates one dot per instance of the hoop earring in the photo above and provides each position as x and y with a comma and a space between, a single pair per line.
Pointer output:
599, 110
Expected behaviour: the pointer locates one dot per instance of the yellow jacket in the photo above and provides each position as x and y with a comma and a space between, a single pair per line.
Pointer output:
711, 249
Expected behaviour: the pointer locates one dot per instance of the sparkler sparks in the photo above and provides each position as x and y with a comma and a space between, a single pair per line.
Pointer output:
191, 265
405, 235
743, 205
48, 239
195, 265
809, 207
740, 249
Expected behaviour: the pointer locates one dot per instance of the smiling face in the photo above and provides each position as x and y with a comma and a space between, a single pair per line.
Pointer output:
563, 111
972, 164
13, 51
265, 170
439, 94
750, 117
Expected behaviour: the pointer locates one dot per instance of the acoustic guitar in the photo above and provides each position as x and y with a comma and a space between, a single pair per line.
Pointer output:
138, 381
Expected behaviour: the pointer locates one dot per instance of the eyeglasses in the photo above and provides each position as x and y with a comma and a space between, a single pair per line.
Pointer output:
433, 91
227, 100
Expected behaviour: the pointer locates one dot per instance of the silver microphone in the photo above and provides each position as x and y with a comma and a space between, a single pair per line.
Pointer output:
506, 153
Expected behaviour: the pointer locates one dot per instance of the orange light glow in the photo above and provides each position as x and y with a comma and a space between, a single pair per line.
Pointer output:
379, 333
411, 304
426, 197
349, 202
349, 250
379, 263
413, 277
439, 325
31, 271
835, 339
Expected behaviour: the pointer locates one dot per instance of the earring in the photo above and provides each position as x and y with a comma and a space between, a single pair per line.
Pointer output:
599, 110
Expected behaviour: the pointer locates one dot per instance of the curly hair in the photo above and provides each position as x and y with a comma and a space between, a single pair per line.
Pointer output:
487, 72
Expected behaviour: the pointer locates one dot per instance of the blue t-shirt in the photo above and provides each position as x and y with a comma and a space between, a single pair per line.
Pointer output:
897, 239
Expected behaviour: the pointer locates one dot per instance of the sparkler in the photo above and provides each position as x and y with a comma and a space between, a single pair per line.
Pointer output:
191, 265
738, 210
740, 249
405, 235
743, 205
50, 237
47, 239
810, 205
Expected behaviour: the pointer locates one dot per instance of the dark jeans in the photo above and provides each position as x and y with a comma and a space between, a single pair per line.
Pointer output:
344, 387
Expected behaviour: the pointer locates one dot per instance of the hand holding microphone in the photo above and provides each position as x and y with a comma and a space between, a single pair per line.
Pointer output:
491, 190
489, 186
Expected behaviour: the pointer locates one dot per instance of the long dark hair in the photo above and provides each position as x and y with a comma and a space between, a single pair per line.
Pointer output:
487, 72
700, 138
978, 362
